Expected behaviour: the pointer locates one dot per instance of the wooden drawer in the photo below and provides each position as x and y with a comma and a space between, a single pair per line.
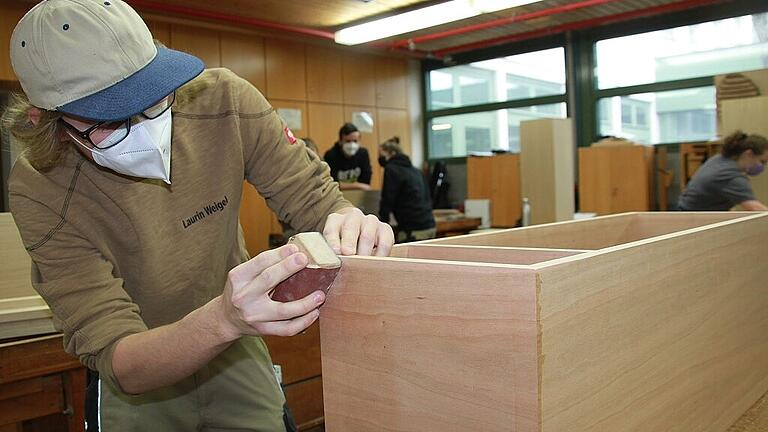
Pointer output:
31, 398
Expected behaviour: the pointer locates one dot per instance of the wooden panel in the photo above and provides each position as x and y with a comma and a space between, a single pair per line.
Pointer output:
546, 168
597, 233
305, 400
369, 140
497, 178
359, 80
324, 75
32, 398
324, 123
255, 218
615, 179
654, 337
391, 82
34, 357
244, 55
10, 14
393, 122
298, 356
749, 115
160, 31
285, 70
499, 255
15, 279
402, 352
201, 42
479, 185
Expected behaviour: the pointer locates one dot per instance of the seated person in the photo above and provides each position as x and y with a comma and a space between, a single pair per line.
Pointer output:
350, 165
405, 194
722, 182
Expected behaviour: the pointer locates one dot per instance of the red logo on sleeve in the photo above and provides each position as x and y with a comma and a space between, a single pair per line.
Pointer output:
289, 135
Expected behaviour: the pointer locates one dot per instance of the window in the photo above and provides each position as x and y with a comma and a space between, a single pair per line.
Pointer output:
711, 48
483, 132
662, 117
522, 76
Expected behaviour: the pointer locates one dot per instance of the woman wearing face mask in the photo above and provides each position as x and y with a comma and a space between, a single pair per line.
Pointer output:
722, 182
405, 194
127, 197
349, 162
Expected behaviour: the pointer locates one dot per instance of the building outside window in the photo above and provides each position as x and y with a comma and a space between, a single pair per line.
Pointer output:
700, 50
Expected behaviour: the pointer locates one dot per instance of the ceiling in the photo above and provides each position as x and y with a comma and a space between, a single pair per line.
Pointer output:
320, 18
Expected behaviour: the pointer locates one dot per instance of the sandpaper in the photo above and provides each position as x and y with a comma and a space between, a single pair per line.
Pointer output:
319, 274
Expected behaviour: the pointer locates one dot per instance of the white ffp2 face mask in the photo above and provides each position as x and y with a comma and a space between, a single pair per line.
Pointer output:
145, 152
350, 148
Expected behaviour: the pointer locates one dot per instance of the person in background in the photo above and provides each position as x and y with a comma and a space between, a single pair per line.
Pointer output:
350, 164
722, 182
127, 197
405, 194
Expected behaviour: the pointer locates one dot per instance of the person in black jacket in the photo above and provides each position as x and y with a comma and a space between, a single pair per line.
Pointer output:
350, 164
405, 194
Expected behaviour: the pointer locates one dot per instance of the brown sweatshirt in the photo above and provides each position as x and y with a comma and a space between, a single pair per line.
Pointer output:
114, 255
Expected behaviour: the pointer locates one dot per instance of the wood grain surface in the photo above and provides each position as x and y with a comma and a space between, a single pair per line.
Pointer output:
414, 345
664, 335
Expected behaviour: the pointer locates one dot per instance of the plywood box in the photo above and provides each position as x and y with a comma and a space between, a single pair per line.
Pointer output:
631, 322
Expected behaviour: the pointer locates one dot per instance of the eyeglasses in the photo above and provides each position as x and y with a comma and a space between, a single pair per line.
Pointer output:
117, 131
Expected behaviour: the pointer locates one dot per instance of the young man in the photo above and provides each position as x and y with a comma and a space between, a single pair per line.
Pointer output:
127, 200
350, 164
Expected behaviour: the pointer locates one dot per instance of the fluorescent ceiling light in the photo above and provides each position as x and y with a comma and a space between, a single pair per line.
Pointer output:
441, 126
418, 19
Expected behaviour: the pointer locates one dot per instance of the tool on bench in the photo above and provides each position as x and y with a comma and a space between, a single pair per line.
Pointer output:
319, 274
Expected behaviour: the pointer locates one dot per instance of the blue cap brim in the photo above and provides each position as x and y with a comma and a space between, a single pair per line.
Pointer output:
168, 71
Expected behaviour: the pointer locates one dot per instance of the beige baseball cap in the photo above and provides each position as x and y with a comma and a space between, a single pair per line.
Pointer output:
94, 59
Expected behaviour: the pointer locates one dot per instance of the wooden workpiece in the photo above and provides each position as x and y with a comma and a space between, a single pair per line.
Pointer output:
652, 321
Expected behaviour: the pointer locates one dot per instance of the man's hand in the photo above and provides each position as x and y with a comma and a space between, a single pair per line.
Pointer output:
350, 232
249, 310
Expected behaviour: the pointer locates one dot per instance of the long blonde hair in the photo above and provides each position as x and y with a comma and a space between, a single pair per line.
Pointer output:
39, 143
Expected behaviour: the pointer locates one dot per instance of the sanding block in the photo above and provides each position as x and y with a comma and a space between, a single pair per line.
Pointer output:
319, 274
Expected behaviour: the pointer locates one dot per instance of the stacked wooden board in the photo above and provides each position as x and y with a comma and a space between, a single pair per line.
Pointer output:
639, 321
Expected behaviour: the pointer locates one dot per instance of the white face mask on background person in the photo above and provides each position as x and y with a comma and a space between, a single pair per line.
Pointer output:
350, 148
145, 152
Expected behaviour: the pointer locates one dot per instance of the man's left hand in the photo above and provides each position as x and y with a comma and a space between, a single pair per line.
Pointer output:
350, 232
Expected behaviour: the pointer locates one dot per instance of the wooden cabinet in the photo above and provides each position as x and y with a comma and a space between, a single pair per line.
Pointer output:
286, 68
616, 323
299, 360
496, 178
546, 169
41, 386
615, 179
